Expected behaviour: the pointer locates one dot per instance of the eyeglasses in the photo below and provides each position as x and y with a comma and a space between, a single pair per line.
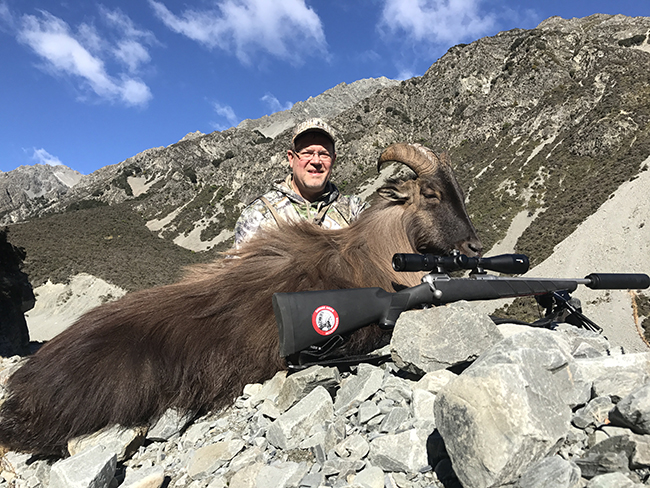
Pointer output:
323, 156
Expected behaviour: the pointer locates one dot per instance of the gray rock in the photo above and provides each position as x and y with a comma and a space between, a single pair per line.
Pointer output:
584, 343
246, 477
423, 401
612, 480
342, 467
117, 439
394, 419
595, 413
613, 430
517, 400
359, 387
641, 455
370, 477
281, 475
354, 448
551, 472
196, 433
152, 477
247, 457
367, 410
299, 384
269, 409
609, 456
270, 390
441, 337
293, 426
633, 411
170, 424
312, 480
209, 458
405, 451
508, 329
217, 482
93, 468
434, 381
616, 376
327, 437
397, 389
36, 182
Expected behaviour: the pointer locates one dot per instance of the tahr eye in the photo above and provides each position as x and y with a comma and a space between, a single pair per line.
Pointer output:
430, 193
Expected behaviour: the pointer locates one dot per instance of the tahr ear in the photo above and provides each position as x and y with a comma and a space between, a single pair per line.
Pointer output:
394, 194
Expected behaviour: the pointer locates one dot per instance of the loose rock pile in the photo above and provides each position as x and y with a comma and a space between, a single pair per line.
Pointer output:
518, 407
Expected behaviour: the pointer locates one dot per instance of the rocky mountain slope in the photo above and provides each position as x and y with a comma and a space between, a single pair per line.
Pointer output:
27, 188
326, 105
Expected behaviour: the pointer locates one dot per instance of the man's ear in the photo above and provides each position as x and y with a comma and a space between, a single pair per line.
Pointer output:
290, 157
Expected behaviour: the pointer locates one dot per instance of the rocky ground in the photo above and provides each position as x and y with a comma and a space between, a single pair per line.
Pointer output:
535, 408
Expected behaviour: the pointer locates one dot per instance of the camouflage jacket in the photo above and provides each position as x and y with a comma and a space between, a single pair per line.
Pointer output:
331, 211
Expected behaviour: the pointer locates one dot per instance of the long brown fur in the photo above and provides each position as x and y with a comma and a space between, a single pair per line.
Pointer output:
193, 345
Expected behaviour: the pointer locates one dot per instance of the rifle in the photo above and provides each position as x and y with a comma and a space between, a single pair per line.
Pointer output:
315, 322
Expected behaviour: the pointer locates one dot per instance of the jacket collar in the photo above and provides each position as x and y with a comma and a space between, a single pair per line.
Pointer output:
330, 194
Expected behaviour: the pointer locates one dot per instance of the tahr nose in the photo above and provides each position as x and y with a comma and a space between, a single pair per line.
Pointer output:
471, 248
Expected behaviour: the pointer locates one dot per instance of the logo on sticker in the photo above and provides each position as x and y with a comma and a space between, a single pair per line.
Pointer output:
325, 320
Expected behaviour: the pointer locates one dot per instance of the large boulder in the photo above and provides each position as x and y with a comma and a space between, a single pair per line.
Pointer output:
510, 409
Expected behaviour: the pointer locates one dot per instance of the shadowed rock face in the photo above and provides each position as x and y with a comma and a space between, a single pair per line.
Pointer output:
16, 298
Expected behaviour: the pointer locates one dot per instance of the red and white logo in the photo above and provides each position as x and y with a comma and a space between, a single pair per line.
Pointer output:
325, 320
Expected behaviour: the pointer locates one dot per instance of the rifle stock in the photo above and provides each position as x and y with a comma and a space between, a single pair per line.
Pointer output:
312, 318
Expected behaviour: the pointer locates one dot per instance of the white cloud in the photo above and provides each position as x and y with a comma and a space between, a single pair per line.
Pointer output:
43, 157
130, 49
84, 57
227, 113
437, 21
121, 22
274, 104
132, 54
286, 29
405, 74
6, 19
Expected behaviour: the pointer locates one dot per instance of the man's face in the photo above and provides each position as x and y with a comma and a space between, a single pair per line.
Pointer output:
311, 164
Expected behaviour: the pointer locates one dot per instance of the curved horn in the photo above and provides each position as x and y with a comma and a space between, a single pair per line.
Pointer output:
421, 160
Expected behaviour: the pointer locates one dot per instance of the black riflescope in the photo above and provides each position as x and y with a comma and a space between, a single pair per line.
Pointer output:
504, 263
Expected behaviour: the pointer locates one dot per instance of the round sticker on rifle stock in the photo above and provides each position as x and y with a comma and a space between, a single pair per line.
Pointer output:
325, 320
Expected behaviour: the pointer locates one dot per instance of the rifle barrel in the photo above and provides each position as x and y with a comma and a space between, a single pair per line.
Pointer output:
618, 281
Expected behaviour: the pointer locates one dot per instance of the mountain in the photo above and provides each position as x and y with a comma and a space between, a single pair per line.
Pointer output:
543, 126
27, 188
326, 105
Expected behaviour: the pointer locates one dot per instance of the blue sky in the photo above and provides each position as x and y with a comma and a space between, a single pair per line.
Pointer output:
90, 84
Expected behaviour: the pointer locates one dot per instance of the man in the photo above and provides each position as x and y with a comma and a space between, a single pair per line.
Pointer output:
307, 193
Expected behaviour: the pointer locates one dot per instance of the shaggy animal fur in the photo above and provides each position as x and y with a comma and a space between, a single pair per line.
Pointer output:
193, 345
